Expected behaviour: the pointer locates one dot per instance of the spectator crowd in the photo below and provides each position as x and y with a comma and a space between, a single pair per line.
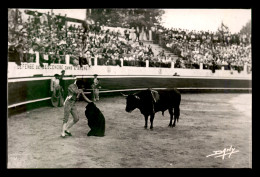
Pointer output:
195, 47
53, 38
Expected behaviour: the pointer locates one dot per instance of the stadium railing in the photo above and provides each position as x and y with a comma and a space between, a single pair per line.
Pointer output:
38, 58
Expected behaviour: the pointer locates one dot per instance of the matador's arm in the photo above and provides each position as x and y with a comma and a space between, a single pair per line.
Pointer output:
85, 98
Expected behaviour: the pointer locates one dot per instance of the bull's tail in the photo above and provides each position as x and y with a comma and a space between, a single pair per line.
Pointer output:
177, 113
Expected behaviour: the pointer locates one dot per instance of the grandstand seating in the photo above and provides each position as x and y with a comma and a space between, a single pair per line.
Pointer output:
48, 35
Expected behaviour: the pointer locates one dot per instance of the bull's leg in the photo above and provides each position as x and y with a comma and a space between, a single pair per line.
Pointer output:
176, 114
151, 121
146, 119
173, 125
171, 116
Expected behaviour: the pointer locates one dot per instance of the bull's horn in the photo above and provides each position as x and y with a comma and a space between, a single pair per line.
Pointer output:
123, 94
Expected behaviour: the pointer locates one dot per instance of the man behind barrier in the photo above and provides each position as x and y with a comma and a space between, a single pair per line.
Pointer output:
56, 91
95, 86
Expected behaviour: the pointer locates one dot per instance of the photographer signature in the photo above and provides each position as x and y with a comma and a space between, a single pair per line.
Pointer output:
226, 151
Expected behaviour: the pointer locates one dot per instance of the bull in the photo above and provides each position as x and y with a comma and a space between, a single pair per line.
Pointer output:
151, 101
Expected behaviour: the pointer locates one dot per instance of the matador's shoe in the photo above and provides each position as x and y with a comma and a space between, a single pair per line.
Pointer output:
68, 133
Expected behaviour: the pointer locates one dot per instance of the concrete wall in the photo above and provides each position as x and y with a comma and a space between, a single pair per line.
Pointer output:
31, 69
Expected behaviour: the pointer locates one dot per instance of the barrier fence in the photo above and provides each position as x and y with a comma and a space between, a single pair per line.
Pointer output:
38, 58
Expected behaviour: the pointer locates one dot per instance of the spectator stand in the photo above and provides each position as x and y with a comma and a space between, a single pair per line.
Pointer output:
48, 40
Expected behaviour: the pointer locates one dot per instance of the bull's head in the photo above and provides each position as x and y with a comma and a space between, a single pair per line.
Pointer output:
132, 102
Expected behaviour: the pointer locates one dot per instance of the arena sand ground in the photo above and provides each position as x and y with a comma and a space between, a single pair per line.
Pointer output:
208, 122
